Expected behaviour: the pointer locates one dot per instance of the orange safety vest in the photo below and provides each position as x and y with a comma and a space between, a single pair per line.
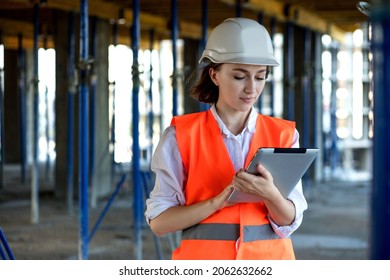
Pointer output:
210, 170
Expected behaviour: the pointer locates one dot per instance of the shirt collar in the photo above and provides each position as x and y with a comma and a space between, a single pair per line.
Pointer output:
250, 124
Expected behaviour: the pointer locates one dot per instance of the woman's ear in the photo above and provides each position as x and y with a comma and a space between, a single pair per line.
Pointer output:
213, 74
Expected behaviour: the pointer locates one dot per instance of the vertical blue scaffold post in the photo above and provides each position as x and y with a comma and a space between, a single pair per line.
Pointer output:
317, 101
260, 18
113, 84
272, 81
334, 153
92, 114
150, 113
238, 8
290, 70
205, 25
137, 187
380, 204
175, 75
306, 89
83, 133
2, 123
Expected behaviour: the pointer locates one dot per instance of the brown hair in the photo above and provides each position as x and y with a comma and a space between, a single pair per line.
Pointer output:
204, 89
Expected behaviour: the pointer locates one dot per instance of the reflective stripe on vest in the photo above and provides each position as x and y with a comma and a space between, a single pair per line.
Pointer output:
228, 232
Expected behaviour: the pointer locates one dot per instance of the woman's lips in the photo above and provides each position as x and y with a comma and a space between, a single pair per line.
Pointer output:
248, 99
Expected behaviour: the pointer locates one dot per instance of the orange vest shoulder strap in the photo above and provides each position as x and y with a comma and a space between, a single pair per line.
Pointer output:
203, 152
271, 132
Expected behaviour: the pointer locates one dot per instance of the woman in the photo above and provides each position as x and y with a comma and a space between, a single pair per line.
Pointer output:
201, 156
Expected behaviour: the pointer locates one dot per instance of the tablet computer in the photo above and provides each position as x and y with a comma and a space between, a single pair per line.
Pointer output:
286, 165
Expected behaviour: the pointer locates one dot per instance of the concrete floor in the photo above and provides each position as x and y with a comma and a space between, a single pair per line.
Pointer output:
335, 226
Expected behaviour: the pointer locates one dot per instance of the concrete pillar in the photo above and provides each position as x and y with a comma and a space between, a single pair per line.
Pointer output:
101, 183
11, 107
300, 104
102, 180
12, 115
62, 83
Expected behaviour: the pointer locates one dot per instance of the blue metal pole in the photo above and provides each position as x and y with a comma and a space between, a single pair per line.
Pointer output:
6, 246
137, 187
380, 203
92, 115
334, 154
306, 89
290, 71
175, 31
2, 253
22, 107
83, 132
92, 112
35, 167
238, 8
272, 82
47, 127
47, 134
205, 24
70, 114
107, 207
2, 130
113, 137
317, 101
260, 100
150, 114
260, 17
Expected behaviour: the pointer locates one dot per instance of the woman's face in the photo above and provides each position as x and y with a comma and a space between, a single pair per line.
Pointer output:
240, 85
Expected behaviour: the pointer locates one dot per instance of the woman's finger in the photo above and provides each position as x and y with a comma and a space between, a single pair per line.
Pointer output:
264, 172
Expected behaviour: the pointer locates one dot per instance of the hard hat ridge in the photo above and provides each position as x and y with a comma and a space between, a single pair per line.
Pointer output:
241, 41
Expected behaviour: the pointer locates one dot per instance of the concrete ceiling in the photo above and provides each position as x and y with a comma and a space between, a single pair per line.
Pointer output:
331, 16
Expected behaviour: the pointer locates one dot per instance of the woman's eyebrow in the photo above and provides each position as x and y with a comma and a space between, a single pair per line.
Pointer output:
246, 71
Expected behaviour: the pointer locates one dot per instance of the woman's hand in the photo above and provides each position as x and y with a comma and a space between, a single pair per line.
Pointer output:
261, 185
220, 201
181, 217
281, 210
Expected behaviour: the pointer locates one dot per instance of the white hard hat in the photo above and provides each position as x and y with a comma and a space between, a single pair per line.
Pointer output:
241, 41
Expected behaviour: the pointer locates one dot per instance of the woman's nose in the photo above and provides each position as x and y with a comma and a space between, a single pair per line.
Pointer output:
250, 86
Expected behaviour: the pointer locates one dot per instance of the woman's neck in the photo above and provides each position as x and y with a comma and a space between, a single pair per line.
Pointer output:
234, 120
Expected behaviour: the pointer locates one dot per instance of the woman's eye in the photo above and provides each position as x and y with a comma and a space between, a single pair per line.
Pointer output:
259, 78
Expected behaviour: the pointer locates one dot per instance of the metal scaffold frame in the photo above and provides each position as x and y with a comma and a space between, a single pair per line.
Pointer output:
136, 170
83, 133
380, 206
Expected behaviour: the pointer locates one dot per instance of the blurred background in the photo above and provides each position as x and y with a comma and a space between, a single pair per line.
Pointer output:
87, 88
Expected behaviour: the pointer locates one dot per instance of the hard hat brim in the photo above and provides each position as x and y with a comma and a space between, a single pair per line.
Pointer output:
266, 61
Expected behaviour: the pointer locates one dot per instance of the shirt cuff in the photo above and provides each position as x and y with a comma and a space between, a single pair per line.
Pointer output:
286, 231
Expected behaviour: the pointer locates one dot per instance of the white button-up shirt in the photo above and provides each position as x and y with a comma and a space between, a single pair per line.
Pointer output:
170, 174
